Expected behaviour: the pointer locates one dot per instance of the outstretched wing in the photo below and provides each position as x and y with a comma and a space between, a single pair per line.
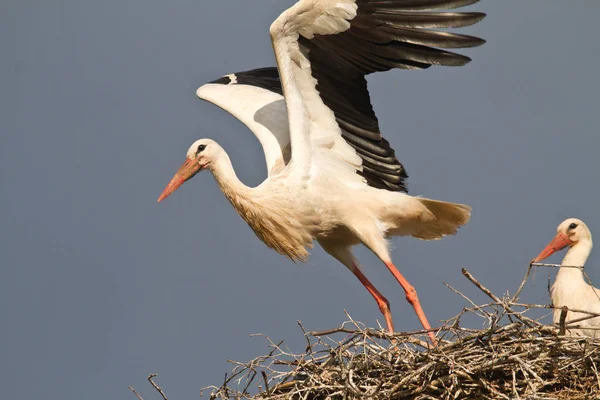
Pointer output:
255, 98
324, 49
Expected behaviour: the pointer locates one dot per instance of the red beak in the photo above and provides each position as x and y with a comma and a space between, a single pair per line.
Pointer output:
559, 242
185, 172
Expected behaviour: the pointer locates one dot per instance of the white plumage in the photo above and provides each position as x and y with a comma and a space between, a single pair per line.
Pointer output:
260, 110
570, 288
332, 177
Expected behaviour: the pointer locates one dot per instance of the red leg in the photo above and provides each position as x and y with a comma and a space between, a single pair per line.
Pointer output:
411, 297
382, 302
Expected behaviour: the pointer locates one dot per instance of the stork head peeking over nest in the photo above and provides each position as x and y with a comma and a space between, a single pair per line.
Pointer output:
571, 287
572, 233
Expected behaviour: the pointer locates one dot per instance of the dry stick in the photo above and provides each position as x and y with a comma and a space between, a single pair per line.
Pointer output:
595, 371
264, 376
158, 388
583, 319
514, 383
561, 322
590, 282
254, 372
225, 382
373, 332
491, 389
551, 307
528, 369
136, 393
527, 380
480, 286
526, 320
283, 386
475, 306
556, 266
518, 292
309, 346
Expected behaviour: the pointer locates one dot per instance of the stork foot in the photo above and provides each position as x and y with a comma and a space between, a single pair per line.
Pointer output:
382, 302
413, 299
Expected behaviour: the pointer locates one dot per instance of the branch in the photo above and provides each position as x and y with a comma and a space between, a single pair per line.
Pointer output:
518, 292
561, 323
136, 393
158, 388
527, 321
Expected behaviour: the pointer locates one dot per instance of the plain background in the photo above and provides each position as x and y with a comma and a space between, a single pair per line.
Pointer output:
100, 285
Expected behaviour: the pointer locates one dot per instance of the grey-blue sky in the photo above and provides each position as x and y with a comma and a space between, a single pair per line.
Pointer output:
100, 285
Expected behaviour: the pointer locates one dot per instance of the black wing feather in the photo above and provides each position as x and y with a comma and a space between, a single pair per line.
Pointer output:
385, 34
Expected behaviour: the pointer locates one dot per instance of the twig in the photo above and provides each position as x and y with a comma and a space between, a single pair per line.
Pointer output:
518, 292
373, 332
136, 393
556, 266
485, 290
590, 282
551, 307
595, 372
525, 320
308, 346
266, 380
561, 321
475, 306
158, 388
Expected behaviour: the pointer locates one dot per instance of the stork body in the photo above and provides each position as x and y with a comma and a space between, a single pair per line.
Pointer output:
570, 288
331, 175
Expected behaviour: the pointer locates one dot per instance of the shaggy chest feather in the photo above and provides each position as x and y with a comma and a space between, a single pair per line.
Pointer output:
277, 227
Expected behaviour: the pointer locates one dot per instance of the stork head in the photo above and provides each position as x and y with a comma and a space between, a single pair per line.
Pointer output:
199, 156
570, 232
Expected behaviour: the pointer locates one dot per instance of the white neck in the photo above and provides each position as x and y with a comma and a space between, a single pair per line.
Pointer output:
575, 257
226, 178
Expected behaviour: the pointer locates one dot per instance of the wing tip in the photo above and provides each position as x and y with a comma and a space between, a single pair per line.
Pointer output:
201, 90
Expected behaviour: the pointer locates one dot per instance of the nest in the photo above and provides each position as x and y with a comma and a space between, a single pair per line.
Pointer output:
512, 357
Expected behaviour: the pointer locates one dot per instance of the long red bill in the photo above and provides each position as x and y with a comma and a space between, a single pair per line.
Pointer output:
185, 172
559, 242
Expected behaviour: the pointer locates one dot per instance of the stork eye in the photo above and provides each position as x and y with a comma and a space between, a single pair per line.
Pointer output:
200, 148
572, 226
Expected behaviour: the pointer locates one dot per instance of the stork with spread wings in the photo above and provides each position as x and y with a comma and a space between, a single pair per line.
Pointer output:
332, 177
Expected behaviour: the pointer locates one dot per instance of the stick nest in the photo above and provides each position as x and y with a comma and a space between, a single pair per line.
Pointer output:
513, 356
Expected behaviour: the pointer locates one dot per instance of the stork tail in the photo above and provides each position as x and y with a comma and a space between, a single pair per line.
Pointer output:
446, 219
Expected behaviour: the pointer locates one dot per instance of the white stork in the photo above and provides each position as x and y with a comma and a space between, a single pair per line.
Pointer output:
570, 288
332, 177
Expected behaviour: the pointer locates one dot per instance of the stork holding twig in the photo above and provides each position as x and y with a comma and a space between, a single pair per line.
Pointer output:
332, 177
570, 287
